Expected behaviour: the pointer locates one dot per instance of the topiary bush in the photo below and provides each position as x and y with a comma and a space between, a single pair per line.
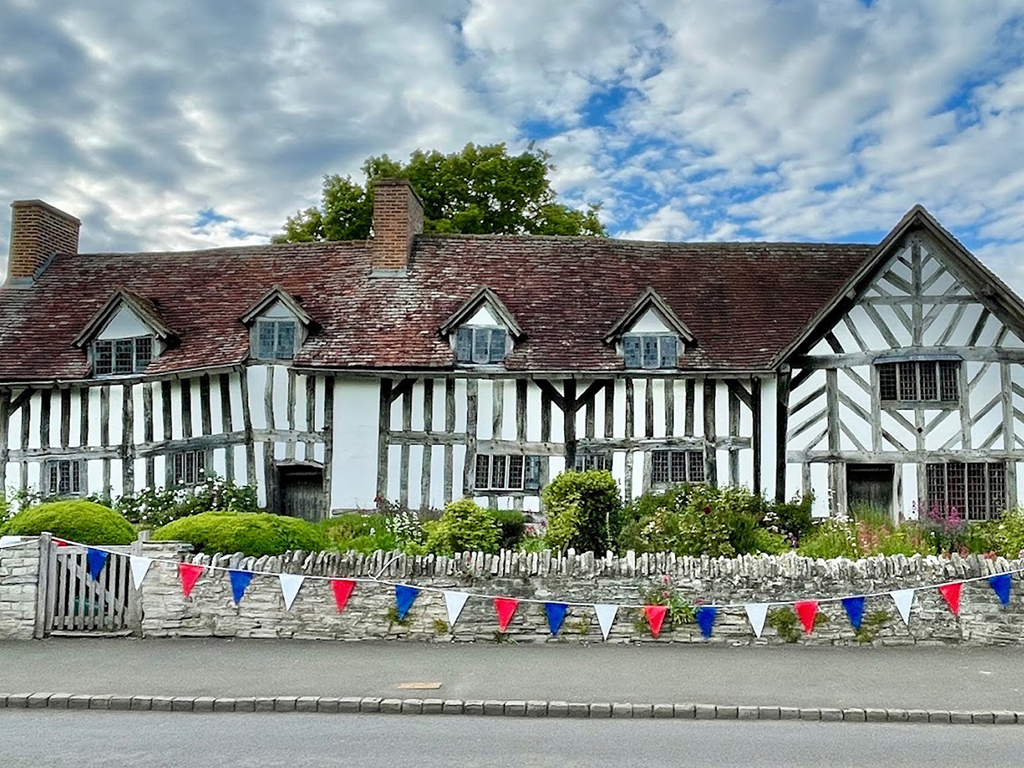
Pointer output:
251, 533
76, 520
584, 511
463, 527
511, 527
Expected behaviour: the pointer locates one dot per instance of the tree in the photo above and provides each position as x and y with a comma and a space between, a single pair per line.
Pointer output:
480, 190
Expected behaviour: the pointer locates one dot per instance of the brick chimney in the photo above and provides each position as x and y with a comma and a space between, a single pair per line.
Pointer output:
38, 231
397, 219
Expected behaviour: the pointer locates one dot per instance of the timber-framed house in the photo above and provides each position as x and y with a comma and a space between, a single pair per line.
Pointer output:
420, 368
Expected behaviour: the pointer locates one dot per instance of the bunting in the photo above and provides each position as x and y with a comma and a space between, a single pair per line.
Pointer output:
1001, 585
239, 581
854, 607
95, 560
556, 615
342, 589
140, 567
951, 593
506, 607
404, 598
291, 583
904, 599
454, 602
806, 610
706, 616
655, 617
756, 614
605, 617
189, 575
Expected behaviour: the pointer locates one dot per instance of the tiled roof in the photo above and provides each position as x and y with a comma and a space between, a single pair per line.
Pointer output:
743, 301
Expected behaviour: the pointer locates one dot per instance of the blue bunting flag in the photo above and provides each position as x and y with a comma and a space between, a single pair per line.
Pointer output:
556, 615
854, 610
239, 581
1001, 584
706, 616
404, 597
95, 560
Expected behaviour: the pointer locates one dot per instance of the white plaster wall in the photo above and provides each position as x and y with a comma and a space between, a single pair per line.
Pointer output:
123, 325
354, 465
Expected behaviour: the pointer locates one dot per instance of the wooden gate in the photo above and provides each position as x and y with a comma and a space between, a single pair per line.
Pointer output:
77, 603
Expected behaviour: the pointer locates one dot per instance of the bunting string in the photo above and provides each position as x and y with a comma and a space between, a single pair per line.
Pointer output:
505, 607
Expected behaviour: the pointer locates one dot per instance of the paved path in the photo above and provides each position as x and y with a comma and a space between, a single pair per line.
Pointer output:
158, 740
888, 678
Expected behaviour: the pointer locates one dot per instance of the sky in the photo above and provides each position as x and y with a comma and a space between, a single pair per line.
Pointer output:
191, 124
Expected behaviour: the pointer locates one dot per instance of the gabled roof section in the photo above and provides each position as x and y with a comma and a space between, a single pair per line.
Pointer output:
991, 291
650, 299
143, 308
483, 296
274, 295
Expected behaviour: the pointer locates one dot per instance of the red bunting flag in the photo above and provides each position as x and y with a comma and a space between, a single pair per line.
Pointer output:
342, 591
505, 606
655, 617
952, 594
806, 610
189, 575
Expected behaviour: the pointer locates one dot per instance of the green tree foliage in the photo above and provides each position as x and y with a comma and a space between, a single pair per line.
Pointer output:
480, 190
76, 520
463, 527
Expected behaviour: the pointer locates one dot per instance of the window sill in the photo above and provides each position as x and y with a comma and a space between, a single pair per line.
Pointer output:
922, 405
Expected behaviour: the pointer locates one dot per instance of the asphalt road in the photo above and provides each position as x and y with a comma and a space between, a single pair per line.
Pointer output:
151, 739
907, 678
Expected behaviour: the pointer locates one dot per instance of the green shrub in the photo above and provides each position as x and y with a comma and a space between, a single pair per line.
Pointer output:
770, 543
511, 527
831, 539
251, 533
584, 511
154, 507
76, 520
1004, 536
358, 533
463, 527
793, 518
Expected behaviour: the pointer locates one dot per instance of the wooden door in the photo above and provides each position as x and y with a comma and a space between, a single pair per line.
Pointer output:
301, 492
870, 486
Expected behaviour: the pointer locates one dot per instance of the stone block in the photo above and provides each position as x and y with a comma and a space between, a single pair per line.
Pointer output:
223, 704
897, 715
391, 706
349, 704
684, 711
307, 703
831, 715
264, 704
38, 700
182, 704
854, 715
556, 708
75, 701
452, 707
515, 708
412, 706
578, 709
121, 703
432, 706
705, 711
369, 704
789, 713
245, 704
983, 718
473, 707
917, 715
769, 713
601, 709
876, 715
492, 707
203, 704
1003, 718
810, 714
959, 717
58, 701
663, 711
643, 711
746, 713
536, 708
285, 703
622, 710
726, 713
938, 716
327, 704
160, 703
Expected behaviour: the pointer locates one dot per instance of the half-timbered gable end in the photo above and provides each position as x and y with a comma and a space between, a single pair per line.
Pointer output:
422, 368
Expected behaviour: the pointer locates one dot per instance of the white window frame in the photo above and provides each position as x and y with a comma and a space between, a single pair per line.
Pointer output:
136, 368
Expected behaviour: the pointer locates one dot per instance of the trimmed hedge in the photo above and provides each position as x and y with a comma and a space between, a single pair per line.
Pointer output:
76, 520
251, 533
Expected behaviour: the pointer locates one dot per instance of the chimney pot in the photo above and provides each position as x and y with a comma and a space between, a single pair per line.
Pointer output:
38, 231
397, 219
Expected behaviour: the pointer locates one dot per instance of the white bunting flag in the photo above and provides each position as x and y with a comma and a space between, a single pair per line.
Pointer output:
756, 613
140, 567
290, 584
903, 598
454, 602
605, 617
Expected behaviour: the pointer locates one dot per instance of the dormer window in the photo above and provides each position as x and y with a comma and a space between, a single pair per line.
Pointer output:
480, 345
125, 336
482, 331
115, 357
275, 339
650, 335
278, 325
650, 350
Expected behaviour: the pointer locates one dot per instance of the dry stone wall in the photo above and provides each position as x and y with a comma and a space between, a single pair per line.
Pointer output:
210, 610
19, 579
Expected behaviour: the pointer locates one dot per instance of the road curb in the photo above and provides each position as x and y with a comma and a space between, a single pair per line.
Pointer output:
495, 708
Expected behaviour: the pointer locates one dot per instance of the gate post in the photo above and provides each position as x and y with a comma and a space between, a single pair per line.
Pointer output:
43, 586
135, 595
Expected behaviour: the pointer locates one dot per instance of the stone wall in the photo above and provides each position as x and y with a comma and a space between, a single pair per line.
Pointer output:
210, 610
19, 579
